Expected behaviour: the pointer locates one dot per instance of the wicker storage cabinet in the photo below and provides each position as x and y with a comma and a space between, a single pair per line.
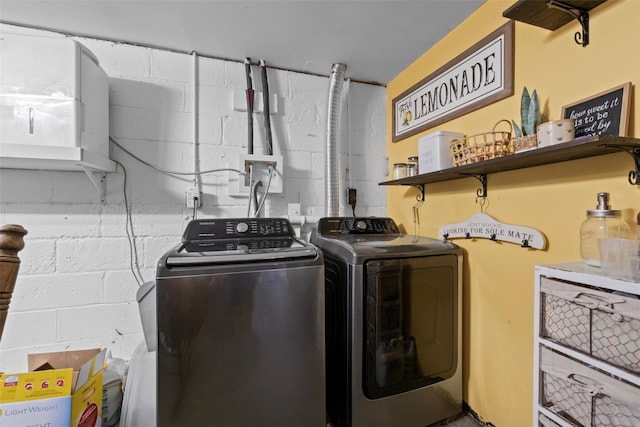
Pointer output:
587, 348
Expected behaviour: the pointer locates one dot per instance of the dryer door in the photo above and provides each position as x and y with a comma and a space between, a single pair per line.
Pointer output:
410, 323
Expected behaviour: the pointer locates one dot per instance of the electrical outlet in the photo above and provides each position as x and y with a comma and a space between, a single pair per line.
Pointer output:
192, 197
352, 196
293, 209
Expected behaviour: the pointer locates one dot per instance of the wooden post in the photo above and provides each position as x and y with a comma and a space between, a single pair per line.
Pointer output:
10, 243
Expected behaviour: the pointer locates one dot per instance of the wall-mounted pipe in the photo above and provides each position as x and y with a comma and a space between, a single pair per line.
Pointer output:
331, 195
196, 135
266, 108
250, 93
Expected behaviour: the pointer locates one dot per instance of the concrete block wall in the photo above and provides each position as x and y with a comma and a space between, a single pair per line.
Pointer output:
76, 288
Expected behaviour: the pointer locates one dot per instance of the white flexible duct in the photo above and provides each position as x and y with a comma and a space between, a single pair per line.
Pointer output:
331, 195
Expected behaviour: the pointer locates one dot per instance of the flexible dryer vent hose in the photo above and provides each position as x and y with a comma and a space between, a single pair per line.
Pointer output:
332, 183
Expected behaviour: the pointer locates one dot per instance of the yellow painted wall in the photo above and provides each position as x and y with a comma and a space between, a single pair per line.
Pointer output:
498, 282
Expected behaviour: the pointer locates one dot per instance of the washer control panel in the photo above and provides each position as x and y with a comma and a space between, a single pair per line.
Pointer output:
349, 225
230, 228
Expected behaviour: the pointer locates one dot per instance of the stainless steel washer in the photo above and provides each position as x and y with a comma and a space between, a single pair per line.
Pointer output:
240, 327
393, 325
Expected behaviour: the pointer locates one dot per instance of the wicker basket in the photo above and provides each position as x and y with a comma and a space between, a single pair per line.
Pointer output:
482, 146
524, 143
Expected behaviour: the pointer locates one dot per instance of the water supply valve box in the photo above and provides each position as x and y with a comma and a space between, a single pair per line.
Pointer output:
266, 169
54, 105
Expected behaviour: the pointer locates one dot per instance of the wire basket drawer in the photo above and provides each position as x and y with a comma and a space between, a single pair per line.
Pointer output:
546, 422
585, 396
600, 324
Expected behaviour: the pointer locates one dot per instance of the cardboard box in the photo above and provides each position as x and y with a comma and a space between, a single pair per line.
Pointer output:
434, 153
62, 389
36, 398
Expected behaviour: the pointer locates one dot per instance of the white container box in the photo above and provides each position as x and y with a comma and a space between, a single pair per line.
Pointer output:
54, 105
434, 153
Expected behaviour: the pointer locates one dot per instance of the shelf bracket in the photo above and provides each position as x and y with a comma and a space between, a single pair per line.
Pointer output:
482, 177
580, 14
99, 180
634, 175
420, 187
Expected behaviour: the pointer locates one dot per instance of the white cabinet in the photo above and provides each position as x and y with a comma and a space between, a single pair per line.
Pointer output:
586, 348
54, 105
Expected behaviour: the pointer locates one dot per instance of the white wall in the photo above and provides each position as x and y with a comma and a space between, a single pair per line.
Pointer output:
75, 288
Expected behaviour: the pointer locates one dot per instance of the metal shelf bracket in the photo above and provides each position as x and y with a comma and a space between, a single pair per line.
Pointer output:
480, 192
420, 187
580, 14
99, 180
634, 175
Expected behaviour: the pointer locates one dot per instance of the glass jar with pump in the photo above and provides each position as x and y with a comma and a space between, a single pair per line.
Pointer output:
601, 223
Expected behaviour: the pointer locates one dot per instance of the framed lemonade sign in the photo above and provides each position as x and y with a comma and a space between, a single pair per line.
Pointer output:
479, 76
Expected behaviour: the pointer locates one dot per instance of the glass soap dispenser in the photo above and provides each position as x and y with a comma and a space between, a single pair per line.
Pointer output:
601, 223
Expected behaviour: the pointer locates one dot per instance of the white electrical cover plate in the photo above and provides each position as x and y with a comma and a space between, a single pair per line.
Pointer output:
260, 164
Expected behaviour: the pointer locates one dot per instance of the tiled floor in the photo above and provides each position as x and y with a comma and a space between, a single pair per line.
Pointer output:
465, 420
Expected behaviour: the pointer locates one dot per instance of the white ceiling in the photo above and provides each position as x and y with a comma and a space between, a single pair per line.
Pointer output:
376, 39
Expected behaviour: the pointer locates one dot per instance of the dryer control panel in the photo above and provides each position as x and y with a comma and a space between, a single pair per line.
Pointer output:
355, 225
236, 228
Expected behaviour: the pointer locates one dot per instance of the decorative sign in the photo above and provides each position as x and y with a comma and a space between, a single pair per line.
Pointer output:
481, 75
606, 113
486, 227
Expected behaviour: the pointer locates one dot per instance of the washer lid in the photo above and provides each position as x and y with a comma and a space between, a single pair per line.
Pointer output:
227, 251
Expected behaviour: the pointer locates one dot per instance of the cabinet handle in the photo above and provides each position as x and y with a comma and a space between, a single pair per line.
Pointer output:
590, 386
601, 303
596, 301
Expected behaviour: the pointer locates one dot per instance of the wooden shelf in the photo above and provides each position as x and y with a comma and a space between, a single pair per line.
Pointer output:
580, 148
553, 14
538, 13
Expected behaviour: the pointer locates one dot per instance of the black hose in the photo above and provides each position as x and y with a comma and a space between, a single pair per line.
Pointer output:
250, 93
266, 110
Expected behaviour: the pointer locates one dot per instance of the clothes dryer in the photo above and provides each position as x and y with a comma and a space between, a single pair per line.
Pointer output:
393, 324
